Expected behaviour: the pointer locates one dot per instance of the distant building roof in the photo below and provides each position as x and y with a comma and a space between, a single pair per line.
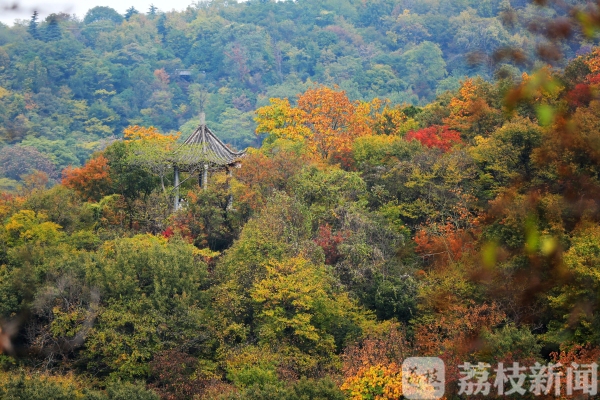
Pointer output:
204, 147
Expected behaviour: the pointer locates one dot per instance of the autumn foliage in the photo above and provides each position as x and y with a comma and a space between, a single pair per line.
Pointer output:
456, 333
580, 95
467, 229
329, 242
325, 119
470, 110
148, 134
372, 368
265, 173
435, 136
440, 244
173, 372
92, 181
381, 382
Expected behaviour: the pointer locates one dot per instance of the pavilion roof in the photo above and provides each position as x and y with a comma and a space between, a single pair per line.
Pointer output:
204, 147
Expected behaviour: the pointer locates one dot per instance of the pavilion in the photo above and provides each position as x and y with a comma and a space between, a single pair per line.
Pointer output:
201, 152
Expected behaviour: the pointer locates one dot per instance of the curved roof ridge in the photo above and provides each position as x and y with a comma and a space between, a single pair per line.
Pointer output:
203, 146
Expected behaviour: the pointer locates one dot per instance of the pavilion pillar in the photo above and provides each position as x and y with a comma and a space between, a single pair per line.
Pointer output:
230, 197
205, 176
176, 202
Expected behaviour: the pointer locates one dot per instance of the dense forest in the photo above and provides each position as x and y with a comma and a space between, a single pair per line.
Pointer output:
424, 181
68, 87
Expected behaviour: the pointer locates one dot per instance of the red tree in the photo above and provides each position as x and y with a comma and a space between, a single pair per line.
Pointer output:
581, 95
329, 242
437, 136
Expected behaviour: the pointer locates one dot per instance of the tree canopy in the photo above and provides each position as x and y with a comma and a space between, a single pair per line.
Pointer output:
361, 230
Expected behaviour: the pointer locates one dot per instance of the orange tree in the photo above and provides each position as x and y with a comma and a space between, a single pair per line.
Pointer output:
325, 119
92, 181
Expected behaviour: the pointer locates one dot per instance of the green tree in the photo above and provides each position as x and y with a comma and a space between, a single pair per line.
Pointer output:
153, 288
506, 155
575, 303
152, 11
129, 180
131, 11
52, 32
424, 66
161, 27
33, 26
101, 13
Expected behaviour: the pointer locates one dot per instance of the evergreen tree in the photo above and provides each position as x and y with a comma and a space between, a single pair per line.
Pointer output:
130, 12
52, 32
152, 11
33, 25
161, 27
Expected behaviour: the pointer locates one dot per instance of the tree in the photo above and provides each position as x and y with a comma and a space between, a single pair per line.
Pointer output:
325, 119
150, 150
424, 66
161, 27
152, 11
265, 172
455, 333
306, 316
375, 381
326, 189
33, 26
474, 33
133, 182
32, 385
371, 366
261, 288
435, 136
506, 156
396, 120
174, 372
410, 28
471, 112
52, 32
151, 286
102, 13
131, 11
576, 303
92, 181
62, 206
26, 226
17, 161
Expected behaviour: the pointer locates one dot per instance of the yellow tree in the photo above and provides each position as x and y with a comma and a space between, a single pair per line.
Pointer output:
325, 119
391, 120
280, 119
371, 368
297, 306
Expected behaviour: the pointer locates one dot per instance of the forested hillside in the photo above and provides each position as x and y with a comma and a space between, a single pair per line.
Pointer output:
361, 234
68, 87
364, 229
